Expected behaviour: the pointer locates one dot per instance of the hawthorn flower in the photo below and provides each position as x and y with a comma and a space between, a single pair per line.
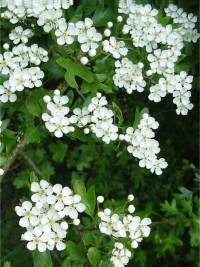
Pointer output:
19, 34
28, 214
74, 206
60, 196
89, 41
65, 32
116, 48
36, 239
7, 93
48, 19
41, 191
120, 255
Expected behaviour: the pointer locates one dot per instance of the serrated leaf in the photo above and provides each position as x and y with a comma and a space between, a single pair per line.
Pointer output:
93, 256
75, 69
58, 151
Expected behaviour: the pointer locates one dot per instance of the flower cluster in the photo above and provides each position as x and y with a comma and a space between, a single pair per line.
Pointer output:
129, 76
46, 11
17, 64
133, 228
120, 255
98, 119
179, 86
50, 16
45, 217
143, 146
57, 120
186, 21
84, 32
162, 61
146, 31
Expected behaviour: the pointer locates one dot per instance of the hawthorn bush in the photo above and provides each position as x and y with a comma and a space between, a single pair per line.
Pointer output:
98, 128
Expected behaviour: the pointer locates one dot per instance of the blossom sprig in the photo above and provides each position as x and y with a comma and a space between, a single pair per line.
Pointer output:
126, 228
179, 86
186, 21
17, 64
47, 216
98, 119
143, 146
46, 11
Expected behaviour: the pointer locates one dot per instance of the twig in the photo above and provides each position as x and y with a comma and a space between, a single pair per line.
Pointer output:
80, 94
30, 162
13, 156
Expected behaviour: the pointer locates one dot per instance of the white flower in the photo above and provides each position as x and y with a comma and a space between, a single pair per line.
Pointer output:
65, 32
36, 239
7, 93
41, 191
61, 196
114, 47
74, 206
120, 255
28, 213
48, 19
19, 34
89, 41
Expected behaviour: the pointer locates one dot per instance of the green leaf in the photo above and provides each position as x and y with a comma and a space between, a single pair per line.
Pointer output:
75, 69
91, 200
75, 251
34, 102
93, 256
169, 209
102, 16
88, 197
89, 6
22, 179
58, 151
42, 259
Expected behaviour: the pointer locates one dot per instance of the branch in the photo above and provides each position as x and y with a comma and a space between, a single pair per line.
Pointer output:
30, 162
13, 156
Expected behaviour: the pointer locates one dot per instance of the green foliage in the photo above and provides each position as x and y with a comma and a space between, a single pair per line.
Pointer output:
93, 168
